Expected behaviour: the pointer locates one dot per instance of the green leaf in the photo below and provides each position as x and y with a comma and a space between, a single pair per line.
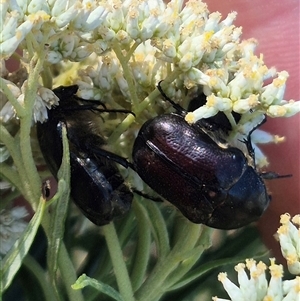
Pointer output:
159, 229
84, 281
204, 268
142, 255
61, 199
13, 260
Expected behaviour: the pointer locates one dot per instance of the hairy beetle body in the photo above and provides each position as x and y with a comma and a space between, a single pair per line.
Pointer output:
97, 187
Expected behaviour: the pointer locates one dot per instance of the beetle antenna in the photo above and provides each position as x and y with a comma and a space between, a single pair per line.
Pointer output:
111, 156
270, 175
147, 196
176, 106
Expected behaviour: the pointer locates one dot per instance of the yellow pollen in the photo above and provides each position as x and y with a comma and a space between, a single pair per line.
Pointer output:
297, 286
31, 17
190, 118
211, 100
213, 81
272, 260
19, 34
257, 274
250, 263
45, 17
276, 270
280, 111
117, 4
220, 72
207, 35
139, 57
122, 35
155, 12
263, 69
278, 82
278, 139
210, 72
189, 28
196, 7
189, 84
285, 218
261, 266
296, 219
88, 5
133, 14
167, 43
253, 100
291, 258
239, 267
222, 277
268, 298
283, 230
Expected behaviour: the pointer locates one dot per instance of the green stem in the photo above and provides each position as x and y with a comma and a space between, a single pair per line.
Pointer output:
143, 246
160, 230
131, 51
230, 118
137, 108
11, 98
13, 146
153, 288
47, 77
68, 274
127, 75
11, 175
121, 128
8, 198
40, 276
36, 65
143, 105
119, 265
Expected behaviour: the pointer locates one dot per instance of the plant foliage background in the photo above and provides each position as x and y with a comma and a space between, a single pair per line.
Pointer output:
117, 52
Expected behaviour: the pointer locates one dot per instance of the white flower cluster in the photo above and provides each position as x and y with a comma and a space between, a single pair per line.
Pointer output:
256, 287
12, 225
288, 235
60, 20
45, 98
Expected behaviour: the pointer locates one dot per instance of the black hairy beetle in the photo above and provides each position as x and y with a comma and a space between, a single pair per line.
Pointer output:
209, 184
97, 186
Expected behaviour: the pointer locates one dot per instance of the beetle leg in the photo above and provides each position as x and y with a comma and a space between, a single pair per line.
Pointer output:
147, 196
111, 156
90, 101
176, 106
92, 107
114, 111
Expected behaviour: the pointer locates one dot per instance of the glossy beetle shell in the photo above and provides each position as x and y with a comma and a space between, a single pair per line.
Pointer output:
97, 187
208, 184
